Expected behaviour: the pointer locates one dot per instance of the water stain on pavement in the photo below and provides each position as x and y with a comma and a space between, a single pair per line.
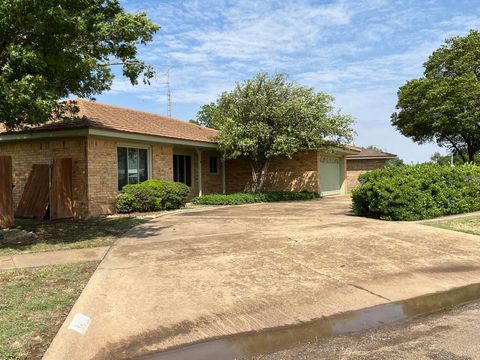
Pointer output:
266, 341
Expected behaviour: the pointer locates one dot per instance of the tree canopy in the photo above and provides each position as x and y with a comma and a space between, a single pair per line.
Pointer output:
443, 105
52, 49
374, 147
265, 117
440, 159
394, 162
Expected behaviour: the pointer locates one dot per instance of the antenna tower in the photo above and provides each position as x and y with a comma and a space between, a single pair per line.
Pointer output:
169, 94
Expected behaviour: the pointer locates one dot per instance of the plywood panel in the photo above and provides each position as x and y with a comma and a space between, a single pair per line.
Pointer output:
61, 191
6, 193
34, 201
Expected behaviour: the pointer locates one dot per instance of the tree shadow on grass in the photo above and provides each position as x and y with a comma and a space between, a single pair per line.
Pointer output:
72, 233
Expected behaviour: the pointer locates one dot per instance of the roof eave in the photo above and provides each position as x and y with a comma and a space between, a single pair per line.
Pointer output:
61, 133
370, 157
150, 138
345, 151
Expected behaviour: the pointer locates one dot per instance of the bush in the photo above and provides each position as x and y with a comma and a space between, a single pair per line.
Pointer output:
152, 195
417, 192
249, 197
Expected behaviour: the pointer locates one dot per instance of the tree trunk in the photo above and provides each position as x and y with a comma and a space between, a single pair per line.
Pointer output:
471, 154
259, 175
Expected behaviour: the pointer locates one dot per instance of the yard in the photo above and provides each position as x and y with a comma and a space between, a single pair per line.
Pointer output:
467, 224
71, 234
33, 305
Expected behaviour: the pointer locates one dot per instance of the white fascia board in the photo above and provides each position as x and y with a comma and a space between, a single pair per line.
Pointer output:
150, 138
43, 135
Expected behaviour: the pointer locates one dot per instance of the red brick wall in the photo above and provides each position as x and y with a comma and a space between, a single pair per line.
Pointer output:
162, 162
296, 174
102, 171
102, 176
211, 183
357, 167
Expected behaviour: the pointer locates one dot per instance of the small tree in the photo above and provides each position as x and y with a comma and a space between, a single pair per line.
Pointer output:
51, 49
443, 105
266, 117
394, 162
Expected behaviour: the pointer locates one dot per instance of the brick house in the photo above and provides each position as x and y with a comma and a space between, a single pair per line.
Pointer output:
112, 146
364, 160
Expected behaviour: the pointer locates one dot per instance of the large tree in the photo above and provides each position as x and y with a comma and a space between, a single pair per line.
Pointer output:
51, 49
266, 117
444, 104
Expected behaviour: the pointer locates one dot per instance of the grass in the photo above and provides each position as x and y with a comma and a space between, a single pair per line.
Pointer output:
33, 305
250, 197
469, 225
71, 234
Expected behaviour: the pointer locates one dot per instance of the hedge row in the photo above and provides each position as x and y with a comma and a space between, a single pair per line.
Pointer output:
417, 192
250, 197
152, 195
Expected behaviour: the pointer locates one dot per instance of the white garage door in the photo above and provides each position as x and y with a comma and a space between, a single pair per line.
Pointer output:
330, 175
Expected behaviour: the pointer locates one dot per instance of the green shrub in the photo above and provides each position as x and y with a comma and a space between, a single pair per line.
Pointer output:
417, 192
170, 195
249, 197
152, 195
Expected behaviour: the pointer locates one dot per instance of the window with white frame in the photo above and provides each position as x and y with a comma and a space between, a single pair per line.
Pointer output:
132, 165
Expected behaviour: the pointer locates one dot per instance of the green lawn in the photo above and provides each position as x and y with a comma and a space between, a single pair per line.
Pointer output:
34, 304
71, 234
469, 224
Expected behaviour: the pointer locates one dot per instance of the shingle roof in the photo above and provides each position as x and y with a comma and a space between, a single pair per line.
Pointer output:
365, 153
113, 118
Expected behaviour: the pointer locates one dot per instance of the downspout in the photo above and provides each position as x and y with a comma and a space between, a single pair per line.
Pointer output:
199, 167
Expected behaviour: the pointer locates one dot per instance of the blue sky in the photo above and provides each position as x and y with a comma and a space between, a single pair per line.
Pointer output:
358, 51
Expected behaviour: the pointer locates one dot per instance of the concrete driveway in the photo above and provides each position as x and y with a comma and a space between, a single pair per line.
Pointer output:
197, 275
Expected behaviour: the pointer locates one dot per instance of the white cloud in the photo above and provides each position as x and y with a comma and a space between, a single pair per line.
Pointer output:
360, 51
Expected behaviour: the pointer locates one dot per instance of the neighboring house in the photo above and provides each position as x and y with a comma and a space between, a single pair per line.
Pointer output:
112, 146
364, 160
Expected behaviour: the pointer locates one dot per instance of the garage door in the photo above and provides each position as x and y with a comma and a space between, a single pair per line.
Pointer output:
330, 175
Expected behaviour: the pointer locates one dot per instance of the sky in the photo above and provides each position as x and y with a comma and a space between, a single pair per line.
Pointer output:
359, 51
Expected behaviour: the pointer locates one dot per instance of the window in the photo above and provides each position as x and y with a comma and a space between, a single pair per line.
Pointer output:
182, 169
132, 166
213, 165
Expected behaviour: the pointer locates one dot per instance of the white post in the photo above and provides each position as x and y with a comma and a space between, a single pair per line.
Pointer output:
199, 166
224, 185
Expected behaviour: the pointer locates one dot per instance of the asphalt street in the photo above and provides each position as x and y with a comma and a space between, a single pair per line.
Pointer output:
450, 335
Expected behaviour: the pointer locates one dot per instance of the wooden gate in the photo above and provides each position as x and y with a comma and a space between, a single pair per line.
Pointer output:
61, 202
49, 187
6, 193
34, 200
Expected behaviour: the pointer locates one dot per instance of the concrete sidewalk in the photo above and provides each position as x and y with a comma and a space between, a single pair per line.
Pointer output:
199, 275
59, 257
